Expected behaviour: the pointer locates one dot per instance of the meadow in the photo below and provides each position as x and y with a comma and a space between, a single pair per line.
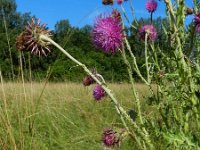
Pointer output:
61, 116
39, 111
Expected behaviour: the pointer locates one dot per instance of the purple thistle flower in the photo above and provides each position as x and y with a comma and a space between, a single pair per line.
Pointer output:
151, 5
198, 28
110, 138
98, 92
148, 29
197, 22
120, 1
107, 33
29, 40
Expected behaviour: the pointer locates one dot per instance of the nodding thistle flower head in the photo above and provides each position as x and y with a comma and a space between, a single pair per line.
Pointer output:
150, 30
110, 138
98, 92
29, 40
197, 22
88, 80
107, 33
151, 5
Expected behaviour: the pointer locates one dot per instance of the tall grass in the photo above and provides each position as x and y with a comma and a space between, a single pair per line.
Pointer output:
67, 116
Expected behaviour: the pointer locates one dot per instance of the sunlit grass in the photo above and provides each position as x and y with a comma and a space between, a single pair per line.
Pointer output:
63, 116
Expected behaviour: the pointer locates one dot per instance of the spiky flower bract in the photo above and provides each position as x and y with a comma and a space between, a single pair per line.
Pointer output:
110, 138
107, 33
150, 30
197, 22
29, 40
116, 14
151, 5
98, 92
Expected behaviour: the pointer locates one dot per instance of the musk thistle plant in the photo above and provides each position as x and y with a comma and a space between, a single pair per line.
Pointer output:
171, 79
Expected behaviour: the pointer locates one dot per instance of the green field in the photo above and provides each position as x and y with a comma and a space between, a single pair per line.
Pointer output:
59, 116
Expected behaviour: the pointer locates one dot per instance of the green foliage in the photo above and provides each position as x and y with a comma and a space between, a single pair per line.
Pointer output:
75, 40
172, 63
64, 119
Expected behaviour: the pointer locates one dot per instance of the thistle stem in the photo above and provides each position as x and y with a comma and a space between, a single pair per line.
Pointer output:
135, 66
107, 90
146, 58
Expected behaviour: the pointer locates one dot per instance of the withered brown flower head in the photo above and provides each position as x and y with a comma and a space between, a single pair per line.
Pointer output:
189, 11
88, 80
107, 2
20, 41
29, 40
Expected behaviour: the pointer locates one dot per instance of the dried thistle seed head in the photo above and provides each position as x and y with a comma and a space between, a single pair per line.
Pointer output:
30, 38
107, 2
20, 41
189, 11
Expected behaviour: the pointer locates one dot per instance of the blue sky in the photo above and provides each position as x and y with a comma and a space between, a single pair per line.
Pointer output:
81, 12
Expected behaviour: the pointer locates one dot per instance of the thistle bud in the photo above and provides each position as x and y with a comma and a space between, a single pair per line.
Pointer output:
110, 138
88, 80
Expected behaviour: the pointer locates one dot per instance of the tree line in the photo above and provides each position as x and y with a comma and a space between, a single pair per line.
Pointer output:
77, 41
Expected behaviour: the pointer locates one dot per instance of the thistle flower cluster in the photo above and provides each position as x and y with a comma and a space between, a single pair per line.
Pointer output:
98, 91
107, 33
197, 22
29, 40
